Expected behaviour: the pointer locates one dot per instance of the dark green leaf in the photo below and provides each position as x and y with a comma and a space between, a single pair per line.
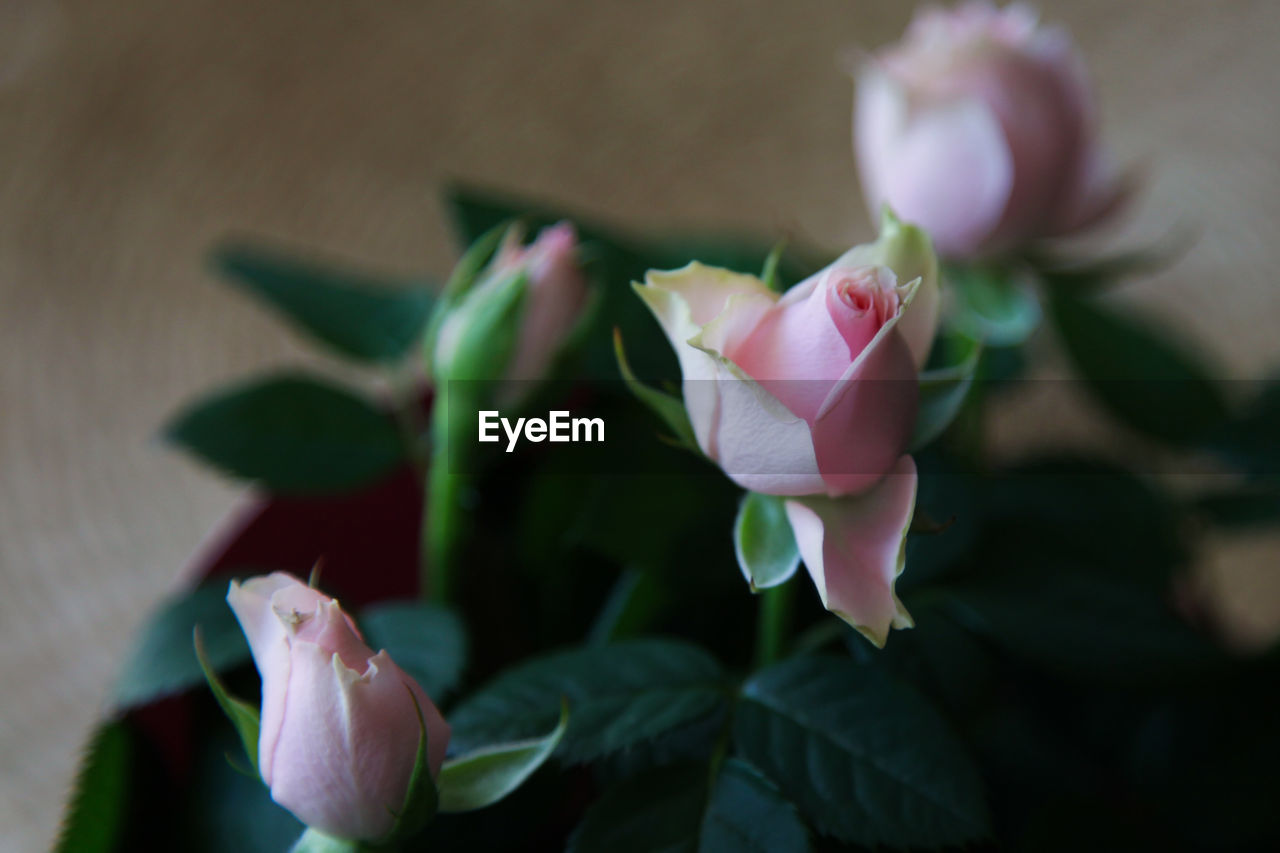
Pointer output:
162, 662
486, 775
669, 810
1249, 440
1141, 377
631, 605
96, 813
1088, 625
358, 316
1038, 508
1244, 507
229, 812
427, 641
656, 812
763, 541
866, 758
747, 813
243, 716
619, 695
292, 433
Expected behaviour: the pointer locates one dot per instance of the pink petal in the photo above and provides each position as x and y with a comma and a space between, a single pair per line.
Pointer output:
866, 423
855, 548
950, 172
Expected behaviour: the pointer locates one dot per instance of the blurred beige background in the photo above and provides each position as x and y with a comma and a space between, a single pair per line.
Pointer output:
133, 134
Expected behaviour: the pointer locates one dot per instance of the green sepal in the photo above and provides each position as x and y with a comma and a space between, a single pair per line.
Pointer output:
764, 542
769, 274
464, 275
486, 775
943, 390
490, 323
242, 715
421, 799
994, 304
315, 841
670, 409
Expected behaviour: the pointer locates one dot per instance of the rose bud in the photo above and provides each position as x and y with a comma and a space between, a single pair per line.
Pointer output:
813, 395
980, 126
339, 730
550, 299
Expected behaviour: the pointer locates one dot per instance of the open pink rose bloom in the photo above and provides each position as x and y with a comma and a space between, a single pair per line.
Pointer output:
812, 395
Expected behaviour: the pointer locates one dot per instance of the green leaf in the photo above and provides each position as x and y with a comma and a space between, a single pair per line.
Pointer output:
762, 539
669, 810
620, 695
486, 775
943, 389
243, 716
1095, 627
630, 606
226, 811
670, 409
427, 641
747, 813
292, 433
1241, 508
98, 807
358, 316
993, 305
866, 758
161, 661
1249, 439
1142, 378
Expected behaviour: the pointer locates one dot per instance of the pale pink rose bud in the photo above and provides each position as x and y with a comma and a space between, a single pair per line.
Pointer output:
813, 392
813, 395
553, 300
980, 126
339, 730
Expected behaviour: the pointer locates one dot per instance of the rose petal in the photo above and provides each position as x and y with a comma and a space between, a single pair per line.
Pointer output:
951, 171
855, 547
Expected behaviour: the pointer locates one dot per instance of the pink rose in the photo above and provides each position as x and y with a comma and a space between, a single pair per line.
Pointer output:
553, 299
980, 127
812, 395
339, 730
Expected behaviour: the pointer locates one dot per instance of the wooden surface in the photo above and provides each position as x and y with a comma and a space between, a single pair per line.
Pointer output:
134, 134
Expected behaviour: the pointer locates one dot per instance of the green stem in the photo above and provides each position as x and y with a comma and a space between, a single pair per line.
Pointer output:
441, 530
773, 626
444, 515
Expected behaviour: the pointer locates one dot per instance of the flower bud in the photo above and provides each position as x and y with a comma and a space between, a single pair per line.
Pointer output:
513, 322
339, 728
813, 395
980, 126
